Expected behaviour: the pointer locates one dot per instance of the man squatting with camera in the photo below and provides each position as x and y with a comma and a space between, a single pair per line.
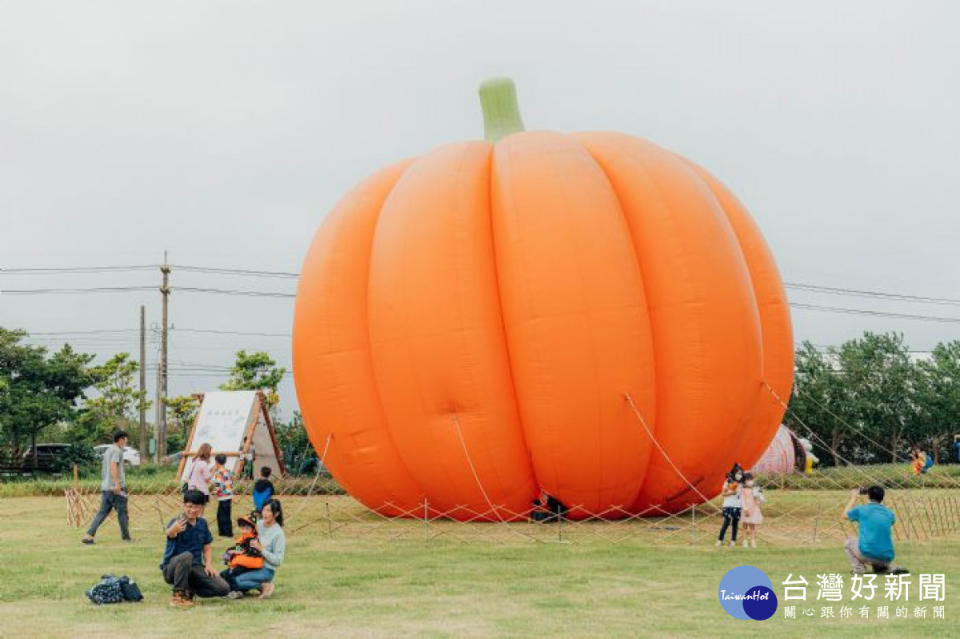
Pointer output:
873, 544
187, 559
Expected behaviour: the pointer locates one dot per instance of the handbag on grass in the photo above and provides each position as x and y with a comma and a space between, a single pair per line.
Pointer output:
112, 589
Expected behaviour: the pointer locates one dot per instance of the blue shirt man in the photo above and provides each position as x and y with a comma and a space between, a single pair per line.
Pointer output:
874, 539
874, 543
193, 538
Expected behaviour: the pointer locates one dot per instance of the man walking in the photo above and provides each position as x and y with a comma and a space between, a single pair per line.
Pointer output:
187, 563
113, 493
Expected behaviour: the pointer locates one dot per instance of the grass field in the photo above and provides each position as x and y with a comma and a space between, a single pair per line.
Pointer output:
422, 582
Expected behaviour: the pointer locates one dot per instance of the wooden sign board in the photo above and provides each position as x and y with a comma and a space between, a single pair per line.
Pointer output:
237, 424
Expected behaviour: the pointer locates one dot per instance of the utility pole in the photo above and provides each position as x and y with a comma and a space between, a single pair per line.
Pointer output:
156, 420
143, 380
165, 293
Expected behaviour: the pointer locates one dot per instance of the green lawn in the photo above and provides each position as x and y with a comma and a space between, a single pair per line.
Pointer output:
364, 582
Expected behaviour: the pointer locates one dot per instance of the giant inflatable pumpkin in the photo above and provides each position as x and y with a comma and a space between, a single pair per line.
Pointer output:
589, 315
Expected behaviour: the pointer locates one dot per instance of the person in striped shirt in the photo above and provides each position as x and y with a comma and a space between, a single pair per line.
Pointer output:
223, 490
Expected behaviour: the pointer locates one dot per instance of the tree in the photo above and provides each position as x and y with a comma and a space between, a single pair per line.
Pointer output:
183, 410
256, 371
294, 443
118, 402
877, 373
819, 402
39, 391
936, 397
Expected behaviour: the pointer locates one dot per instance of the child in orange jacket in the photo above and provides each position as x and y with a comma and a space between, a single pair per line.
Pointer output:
241, 557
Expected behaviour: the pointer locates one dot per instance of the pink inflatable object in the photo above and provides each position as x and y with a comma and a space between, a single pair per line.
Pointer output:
780, 455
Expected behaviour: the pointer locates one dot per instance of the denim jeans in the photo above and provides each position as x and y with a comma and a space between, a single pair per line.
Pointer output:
109, 501
731, 514
251, 580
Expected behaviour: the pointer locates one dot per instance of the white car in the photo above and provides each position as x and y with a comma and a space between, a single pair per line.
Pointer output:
131, 456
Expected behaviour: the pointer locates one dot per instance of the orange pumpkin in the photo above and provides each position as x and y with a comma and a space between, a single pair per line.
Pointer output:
469, 326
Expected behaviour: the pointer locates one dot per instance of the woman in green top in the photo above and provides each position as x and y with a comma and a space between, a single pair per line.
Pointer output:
272, 543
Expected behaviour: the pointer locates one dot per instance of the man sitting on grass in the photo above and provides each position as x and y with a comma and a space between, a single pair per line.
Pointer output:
873, 545
187, 560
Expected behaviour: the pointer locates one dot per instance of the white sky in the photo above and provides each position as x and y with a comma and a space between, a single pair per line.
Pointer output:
224, 131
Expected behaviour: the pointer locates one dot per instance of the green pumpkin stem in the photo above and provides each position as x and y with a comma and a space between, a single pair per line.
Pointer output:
501, 114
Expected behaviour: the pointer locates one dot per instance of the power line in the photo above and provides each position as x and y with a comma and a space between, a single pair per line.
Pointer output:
861, 311
73, 291
219, 332
830, 290
233, 271
125, 289
75, 269
93, 332
824, 347
817, 288
223, 291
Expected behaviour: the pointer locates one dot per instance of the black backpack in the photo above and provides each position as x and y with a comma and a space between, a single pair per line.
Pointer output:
112, 589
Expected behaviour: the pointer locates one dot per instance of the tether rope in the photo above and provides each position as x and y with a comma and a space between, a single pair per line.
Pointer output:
320, 468
663, 452
476, 477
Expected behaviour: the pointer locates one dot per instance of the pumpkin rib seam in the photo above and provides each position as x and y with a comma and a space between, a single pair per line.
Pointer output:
643, 284
503, 327
373, 369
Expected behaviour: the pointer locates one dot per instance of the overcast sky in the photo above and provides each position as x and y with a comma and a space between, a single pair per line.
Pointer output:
224, 131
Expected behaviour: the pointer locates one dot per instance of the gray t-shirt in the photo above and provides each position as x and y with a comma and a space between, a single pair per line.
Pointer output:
112, 454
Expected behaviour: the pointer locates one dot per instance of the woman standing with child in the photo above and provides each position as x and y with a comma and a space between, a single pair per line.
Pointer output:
732, 490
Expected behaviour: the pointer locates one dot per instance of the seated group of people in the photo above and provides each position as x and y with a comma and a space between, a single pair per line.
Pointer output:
252, 562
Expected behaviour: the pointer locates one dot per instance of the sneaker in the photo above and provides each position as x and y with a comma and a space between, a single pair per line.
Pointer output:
235, 594
266, 590
900, 571
719, 543
733, 544
181, 600
746, 543
88, 541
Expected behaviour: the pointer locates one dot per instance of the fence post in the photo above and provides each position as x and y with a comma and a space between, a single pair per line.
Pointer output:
693, 522
900, 520
426, 518
930, 526
816, 522
912, 519
329, 520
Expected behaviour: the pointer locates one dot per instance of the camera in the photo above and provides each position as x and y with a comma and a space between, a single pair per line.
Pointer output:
864, 491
